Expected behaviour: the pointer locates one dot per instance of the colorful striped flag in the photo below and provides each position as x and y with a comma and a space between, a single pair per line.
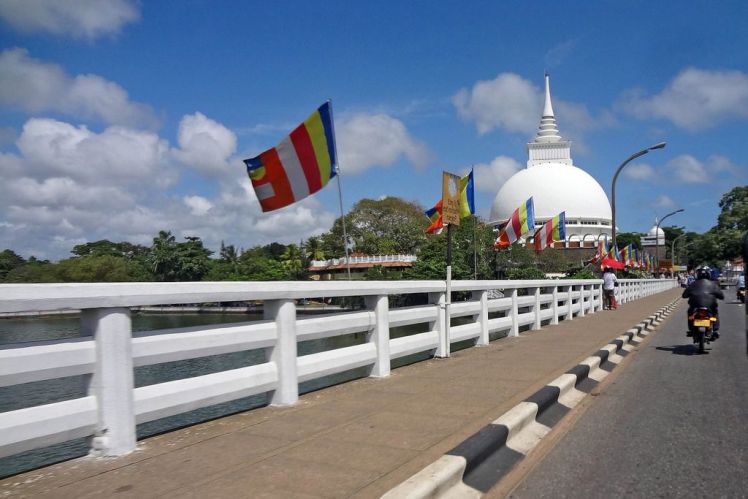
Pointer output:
520, 223
303, 163
467, 195
600, 252
551, 231
435, 215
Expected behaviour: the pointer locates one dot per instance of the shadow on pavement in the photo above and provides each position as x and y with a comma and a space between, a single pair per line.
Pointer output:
682, 349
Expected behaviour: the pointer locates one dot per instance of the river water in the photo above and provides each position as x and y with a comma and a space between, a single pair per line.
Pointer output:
20, 330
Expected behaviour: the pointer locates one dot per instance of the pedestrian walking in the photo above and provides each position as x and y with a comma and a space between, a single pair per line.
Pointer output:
609, 289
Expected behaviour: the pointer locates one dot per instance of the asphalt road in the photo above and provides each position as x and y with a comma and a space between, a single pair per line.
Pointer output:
672, 424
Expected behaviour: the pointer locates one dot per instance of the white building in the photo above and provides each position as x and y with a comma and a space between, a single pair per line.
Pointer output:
655, 237
556, 185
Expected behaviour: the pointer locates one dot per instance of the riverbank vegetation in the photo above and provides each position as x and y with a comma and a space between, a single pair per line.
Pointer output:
375, 227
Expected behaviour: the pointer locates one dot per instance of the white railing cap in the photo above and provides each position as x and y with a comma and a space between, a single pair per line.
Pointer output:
67, 296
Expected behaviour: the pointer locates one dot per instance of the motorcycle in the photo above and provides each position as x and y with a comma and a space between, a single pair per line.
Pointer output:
702, 326
741, 295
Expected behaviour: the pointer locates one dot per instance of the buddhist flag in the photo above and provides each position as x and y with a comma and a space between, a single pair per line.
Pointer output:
435, 215
551, 231
303, 163
600, 252
467, 195
520, 223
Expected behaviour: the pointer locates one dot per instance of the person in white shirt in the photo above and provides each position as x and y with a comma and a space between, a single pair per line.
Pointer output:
609, 284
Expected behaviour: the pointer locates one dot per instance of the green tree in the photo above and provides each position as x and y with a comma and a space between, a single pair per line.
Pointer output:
33, 271
254, 267
99, 268
162, 259
294, 262
104, 247
723, 241
193, 259
379, 227
314, 249
9, 260
623, 239
172, 261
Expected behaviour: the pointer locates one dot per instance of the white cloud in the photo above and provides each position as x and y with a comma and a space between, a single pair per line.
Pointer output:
35, 86
62, 191
490, 177
639, 171
689, 170
663, 202
509, 102
514, 104
365, 141
76, 18
198, 205
68, 185
695, 99
558, 53
54, 148
205, 144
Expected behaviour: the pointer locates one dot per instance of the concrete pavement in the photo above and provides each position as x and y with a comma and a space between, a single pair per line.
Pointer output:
358, 439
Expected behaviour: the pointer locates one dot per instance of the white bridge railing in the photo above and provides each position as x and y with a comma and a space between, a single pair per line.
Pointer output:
108, 351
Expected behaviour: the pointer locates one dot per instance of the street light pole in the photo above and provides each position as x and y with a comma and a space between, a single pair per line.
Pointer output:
615, 177
672, 247
657, 237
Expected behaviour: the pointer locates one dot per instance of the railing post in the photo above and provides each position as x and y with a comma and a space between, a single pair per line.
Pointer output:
599, 302
440, 300
554, 305
569, 303
581, 300
515, 314
536, 310
112, 379
482, 317
380, 334
283, 354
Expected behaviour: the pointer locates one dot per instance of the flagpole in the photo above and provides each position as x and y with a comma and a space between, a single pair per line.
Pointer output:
340, 194
475, 246
448, 297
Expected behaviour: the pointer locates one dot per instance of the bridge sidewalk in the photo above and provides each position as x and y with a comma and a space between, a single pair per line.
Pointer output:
358, 439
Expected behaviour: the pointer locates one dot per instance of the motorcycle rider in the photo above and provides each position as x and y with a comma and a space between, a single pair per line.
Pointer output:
704, 292
740, 285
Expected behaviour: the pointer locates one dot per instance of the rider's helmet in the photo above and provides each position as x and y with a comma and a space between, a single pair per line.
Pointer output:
703, 273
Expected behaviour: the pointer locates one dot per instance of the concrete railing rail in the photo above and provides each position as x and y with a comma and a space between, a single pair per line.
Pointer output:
108, 351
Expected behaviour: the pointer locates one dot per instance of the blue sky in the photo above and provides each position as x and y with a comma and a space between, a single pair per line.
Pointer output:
121, 118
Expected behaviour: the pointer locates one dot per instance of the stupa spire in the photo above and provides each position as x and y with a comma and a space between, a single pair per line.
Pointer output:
548, 130
548, 108
548, 146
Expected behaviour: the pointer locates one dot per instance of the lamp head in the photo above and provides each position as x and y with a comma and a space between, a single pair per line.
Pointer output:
659, 145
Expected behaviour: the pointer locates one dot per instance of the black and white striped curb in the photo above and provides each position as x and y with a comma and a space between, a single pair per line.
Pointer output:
477, 464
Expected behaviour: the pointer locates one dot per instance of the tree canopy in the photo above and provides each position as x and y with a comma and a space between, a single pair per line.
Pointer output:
375, 227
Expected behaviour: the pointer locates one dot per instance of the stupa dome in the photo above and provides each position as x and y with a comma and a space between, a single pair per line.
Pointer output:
658, 232
554, 187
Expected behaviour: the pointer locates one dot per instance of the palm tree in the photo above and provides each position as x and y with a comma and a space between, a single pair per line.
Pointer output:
314, 249
162, 260
293, 262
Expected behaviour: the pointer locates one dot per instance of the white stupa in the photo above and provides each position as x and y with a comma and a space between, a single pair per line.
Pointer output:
556, 185
655, 236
